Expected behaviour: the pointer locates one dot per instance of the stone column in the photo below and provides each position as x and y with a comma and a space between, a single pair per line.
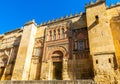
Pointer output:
44, 71
35, 69
47, 35
50, 73
63, 33
74, 67
22, 65
52, 34
60, 32
65, 30
65, 75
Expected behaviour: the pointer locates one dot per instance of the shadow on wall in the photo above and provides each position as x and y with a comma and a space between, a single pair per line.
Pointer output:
38, 75
79, 68
8, 70
92, 25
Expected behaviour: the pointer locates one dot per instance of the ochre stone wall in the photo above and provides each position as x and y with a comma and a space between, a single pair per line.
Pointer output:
99, 32
85, 46
115, 28
9, 43
101, 42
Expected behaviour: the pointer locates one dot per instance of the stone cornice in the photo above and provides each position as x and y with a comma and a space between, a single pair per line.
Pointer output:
12, 31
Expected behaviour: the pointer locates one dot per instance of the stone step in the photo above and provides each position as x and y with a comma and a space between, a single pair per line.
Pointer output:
50, 82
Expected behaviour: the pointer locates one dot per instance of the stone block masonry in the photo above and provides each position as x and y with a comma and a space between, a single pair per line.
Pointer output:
49, 82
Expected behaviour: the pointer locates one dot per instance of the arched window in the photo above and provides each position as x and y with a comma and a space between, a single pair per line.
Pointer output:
96, 61
109, 60
63, 33
50, 35
54, 37
81, 45
58, 33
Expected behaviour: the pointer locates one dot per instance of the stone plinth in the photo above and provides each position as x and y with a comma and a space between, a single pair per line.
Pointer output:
49, 82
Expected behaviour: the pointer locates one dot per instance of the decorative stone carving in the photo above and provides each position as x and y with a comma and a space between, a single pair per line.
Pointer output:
59, 48
4, 56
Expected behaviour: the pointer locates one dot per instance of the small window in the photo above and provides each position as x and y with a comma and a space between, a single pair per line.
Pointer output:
81, 45
63, 31
109, 60
54, 37
58, 33
96, 17
96, 61
50, 35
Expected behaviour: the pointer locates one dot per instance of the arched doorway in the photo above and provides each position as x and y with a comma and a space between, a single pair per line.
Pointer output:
57, 59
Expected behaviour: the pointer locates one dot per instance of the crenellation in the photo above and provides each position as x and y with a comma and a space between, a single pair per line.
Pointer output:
91, 2
66, 16
118, 3
94, 3
113, 5
53, 20
61, 19
44, 23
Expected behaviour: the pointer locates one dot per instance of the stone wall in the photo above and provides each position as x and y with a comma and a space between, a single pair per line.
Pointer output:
41, 46
9, 43
23, 60
115, 27
101, 43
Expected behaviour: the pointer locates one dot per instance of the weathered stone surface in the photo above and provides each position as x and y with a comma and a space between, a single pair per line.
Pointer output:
84, 46
49, 82
24, 55
102, 45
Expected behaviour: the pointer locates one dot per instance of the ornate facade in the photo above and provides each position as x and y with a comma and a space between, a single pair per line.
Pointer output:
83, 46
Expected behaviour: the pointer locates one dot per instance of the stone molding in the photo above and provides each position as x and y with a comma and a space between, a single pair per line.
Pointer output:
59, 48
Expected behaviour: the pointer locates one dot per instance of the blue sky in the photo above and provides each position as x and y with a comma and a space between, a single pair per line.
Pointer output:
15, 13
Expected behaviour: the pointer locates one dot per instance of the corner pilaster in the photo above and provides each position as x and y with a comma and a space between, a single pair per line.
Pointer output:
23, 60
